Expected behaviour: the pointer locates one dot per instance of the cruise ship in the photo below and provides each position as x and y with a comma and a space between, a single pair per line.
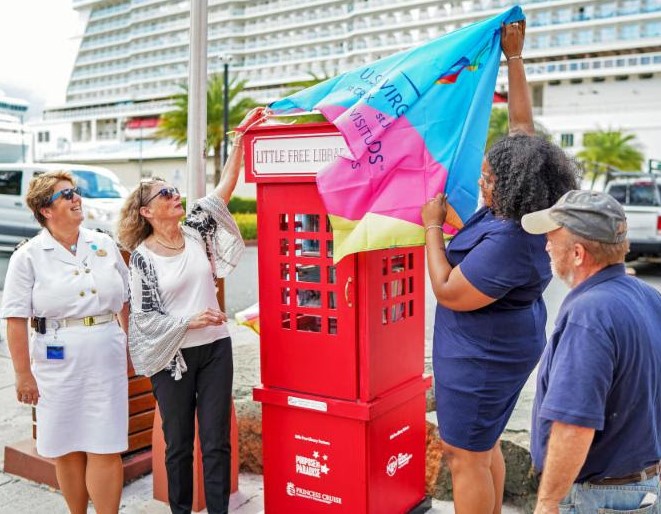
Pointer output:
15, 137
591, 64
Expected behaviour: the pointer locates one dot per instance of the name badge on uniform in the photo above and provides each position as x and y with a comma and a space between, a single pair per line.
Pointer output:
55, 351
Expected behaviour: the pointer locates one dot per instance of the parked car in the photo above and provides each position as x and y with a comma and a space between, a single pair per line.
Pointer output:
640, 196
102, 193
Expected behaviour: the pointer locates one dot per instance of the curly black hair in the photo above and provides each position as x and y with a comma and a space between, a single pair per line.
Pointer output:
530, 174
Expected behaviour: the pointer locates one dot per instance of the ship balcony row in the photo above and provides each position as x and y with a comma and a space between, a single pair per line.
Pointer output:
426, 18
119, 110
599, 67
108, 11
129, 63
351, 53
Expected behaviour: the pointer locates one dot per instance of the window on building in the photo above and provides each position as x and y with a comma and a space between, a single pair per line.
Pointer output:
630, 7
607, 34
653, 29
607, 9
630, 31
562, 15
566, 140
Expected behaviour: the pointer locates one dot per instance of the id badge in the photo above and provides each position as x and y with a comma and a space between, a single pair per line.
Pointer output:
55, 351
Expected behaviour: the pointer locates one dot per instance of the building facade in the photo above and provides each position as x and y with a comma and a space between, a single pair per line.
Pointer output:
590, 63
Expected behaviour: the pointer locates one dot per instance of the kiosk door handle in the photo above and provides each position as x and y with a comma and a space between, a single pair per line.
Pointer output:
346, 291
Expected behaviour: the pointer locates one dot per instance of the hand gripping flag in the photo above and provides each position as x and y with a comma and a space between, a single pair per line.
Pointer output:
415, 124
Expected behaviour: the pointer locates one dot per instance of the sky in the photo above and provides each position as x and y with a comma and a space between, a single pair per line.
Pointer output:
38, 44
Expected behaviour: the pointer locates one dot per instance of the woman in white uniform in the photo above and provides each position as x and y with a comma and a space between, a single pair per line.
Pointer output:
72, 285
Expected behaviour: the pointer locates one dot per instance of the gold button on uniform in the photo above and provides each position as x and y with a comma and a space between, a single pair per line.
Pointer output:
82, 293
87, 270
76, 272
93, 291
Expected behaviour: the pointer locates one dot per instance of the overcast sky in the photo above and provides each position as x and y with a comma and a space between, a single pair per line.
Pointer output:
38, 44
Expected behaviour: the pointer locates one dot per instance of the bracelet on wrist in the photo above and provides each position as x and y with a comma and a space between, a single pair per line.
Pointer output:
514, 57
429, 227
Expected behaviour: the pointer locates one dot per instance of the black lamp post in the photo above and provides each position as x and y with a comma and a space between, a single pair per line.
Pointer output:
226, 59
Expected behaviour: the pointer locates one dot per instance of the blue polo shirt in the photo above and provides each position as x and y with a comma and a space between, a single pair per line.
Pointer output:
601, 369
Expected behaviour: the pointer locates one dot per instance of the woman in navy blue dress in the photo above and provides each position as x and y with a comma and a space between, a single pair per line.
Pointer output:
490, 318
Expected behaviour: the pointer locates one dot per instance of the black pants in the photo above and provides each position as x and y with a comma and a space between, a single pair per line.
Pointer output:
207, 386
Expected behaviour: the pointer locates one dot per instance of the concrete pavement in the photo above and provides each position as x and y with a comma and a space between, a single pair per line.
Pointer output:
18, 496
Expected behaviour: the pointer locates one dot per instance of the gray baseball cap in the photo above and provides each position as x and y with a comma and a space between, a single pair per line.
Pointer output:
590, 214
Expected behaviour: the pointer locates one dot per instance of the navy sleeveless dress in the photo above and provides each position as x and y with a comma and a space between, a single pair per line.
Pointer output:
482, 358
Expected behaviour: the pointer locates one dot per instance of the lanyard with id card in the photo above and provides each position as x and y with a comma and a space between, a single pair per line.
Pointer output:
55, 349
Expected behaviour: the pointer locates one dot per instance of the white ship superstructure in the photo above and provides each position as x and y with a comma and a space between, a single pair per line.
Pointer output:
591, 64
14, 136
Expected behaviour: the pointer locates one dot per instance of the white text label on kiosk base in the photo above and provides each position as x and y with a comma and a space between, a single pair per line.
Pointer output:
304, 403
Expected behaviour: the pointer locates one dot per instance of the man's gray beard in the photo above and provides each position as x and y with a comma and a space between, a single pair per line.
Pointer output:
568, 278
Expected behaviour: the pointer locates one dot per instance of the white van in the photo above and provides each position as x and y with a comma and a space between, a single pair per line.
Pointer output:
103, 197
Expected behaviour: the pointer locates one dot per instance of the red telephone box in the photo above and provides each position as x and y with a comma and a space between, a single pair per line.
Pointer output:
342, 346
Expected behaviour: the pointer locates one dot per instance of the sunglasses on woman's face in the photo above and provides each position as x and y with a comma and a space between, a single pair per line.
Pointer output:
166, 192
67, 194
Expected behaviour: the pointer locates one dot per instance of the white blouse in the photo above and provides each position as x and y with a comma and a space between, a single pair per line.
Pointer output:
186, 287
46, 280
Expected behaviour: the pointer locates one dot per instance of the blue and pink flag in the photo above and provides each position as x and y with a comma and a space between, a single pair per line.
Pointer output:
415, 124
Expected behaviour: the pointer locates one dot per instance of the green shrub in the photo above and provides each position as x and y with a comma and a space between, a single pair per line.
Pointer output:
247, 224
242, 205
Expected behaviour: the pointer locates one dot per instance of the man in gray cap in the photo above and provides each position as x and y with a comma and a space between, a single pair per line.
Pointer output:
596, 434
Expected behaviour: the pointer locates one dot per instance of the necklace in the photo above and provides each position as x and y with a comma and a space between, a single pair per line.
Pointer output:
71, 247
183, 243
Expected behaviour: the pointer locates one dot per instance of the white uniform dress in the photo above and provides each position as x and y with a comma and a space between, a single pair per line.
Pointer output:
83, 402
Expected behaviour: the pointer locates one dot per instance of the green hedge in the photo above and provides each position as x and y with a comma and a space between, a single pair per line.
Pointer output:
247, 224
242, 205
236, 205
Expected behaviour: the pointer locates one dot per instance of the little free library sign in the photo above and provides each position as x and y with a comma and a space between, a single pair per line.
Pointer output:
300, 155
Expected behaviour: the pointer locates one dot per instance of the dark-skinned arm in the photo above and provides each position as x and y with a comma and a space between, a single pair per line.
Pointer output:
519, 103
451, 288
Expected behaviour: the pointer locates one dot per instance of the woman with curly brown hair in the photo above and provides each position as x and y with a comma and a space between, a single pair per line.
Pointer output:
177, 332
490, 317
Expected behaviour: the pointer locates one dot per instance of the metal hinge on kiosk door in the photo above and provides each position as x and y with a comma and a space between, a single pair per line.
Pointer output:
346, 291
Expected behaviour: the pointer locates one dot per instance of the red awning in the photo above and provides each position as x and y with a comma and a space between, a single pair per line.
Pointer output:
137, 123
499, 98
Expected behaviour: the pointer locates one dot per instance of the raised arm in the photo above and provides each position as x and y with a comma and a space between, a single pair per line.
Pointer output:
519, 103
232, 167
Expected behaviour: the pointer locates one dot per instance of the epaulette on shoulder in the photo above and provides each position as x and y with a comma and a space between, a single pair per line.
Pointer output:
19, 244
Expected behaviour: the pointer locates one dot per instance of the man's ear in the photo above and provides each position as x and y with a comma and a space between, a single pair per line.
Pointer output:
579, 254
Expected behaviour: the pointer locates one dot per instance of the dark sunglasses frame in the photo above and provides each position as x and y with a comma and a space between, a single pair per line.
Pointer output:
166, 192
67, 194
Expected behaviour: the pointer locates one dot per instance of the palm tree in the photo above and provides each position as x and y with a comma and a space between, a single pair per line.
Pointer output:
174, 124
299, 85
499, 126
612, 148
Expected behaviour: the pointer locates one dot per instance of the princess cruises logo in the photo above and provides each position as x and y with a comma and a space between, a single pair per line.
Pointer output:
308, 494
